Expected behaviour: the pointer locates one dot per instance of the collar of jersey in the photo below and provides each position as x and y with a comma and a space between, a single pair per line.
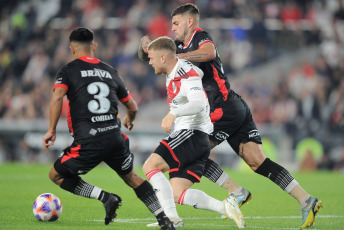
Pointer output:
173, 73
89, 59
198, 29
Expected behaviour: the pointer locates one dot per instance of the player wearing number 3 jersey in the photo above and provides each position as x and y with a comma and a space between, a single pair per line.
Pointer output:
94, 90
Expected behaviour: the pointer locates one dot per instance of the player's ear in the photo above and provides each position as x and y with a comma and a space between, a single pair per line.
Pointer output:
72, 49
190, 21
163, 58
95, 45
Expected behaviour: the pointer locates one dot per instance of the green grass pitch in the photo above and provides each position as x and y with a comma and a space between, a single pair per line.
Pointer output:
270, 208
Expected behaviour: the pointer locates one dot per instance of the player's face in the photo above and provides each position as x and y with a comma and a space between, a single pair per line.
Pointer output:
156, 62
179, 27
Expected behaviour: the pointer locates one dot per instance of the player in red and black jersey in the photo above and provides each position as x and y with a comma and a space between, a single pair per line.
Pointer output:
214, 81
230, 115
94, 90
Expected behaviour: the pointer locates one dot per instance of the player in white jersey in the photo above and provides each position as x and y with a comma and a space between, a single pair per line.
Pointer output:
184, 152
187, 99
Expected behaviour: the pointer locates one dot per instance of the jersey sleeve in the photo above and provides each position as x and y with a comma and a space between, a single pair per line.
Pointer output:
62, 79
202, 38
123, 93
197, 100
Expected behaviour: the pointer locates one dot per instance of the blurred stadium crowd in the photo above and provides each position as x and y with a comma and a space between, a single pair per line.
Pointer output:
307, 100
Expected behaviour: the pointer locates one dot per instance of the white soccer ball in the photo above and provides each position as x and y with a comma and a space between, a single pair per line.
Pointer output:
47, 207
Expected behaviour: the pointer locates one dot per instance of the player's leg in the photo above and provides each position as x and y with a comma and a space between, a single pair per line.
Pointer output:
254, 156
144, 191
121, 160
65, 173
227, 120
181, 182
215, 173
154, 167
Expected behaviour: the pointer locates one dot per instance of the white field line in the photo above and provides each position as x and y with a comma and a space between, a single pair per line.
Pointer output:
210, 225
144, 220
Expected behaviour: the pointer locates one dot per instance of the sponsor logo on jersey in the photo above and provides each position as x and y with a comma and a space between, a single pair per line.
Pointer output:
253, 133
127, 162
221, 136
102, 118
195, 88
96, 73
93, 132
107, 128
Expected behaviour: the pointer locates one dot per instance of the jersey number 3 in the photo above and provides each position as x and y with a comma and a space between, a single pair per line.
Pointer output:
100, 91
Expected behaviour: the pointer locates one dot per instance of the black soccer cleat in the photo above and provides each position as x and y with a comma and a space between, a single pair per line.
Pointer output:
111, 205
166, 224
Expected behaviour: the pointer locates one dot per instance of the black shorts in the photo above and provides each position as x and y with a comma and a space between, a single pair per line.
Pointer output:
186, 152
84, 155
233, 122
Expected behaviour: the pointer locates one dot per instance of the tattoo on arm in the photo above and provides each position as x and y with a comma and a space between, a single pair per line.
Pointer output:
242, 153
194, 56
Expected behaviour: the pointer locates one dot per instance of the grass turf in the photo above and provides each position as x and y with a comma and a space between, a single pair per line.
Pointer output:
270, 208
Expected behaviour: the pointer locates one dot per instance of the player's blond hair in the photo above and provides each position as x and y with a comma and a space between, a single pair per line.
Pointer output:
163, 43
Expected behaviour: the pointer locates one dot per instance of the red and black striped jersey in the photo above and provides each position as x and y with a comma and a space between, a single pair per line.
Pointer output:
215, 83
94, 90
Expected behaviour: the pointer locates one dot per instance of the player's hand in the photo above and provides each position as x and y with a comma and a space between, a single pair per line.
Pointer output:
128, 123
49, 139
167, 122
143, 51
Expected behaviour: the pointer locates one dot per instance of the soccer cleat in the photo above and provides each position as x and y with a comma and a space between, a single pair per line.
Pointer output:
233, 212
177, 223
309, 212
241, 200
111, 205
166, 224
245, 198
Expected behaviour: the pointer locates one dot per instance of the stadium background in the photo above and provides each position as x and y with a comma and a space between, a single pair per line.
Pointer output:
285, 58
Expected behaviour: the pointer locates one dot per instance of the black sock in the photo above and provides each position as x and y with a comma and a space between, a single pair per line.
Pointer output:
70, 183
104, 196
78, 186
147, 195
275, 173
212, 170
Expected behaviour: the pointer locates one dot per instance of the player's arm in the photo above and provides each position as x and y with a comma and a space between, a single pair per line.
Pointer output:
197, 101
132, 109
55, 109
207, 52
143, 51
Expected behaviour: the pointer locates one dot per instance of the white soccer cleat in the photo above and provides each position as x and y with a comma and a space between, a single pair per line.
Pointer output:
177, 223
233, 212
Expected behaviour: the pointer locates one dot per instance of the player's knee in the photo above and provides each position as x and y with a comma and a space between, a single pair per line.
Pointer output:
54, 176
254, 165
133, 180
146, 167
176, 196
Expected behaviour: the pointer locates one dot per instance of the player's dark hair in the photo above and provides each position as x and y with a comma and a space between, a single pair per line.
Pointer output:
81, 34
163, 43
186, 8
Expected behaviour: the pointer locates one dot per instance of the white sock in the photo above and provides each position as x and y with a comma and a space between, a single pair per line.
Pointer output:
163, 191
222, 179
200, 200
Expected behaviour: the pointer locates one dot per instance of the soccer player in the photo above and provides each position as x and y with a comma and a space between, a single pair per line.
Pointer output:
94, 90
184, 152
230, 115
